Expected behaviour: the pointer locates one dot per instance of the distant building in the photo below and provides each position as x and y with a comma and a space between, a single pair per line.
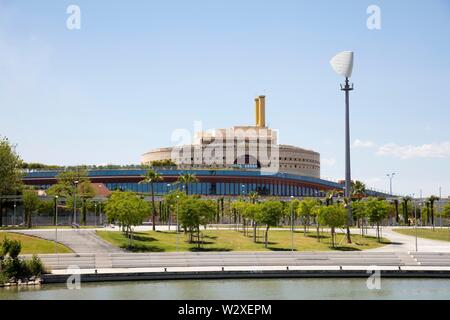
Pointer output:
241, 147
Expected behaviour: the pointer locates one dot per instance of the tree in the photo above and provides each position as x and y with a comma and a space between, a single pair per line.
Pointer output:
251, 211
305, 210
405, 208
10, 175
128, 209
358, 190
86, 192
31, 204
172, 199
431, 200
334, 216
194, 212
397, 218
360, 211
186, 179
316, 211
151, 177
377, 210
270, 213
446, 210
68, 184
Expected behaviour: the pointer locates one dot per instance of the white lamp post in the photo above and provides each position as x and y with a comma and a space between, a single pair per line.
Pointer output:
342, 64
292, 224
390, 176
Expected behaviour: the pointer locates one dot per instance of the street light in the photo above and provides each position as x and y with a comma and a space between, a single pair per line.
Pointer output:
292, 224
56, 224
390, 176
177, 221
14, 216
75, 202
342, 64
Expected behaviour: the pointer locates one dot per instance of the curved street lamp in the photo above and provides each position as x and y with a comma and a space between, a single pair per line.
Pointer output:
342, 64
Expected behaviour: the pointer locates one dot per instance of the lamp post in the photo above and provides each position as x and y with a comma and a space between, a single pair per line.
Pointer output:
75, 202
95, 213
56, 224
342, 64
177, 221
390, 176
14, 215
292, 224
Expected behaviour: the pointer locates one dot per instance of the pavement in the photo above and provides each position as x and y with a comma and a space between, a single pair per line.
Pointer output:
79, 240
91, 253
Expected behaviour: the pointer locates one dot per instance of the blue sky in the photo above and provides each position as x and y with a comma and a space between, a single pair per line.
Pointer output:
137, 70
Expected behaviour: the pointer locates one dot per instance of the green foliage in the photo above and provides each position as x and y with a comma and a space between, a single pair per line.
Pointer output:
126, 208
446, 210
65, 187
270, 214
11, 266
35, 266
10, 162
194, 212
305, 207
334, 216
31, 204
163, 163
186, 179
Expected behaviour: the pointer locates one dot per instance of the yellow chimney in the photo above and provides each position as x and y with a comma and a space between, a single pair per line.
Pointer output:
262, 111
257, 111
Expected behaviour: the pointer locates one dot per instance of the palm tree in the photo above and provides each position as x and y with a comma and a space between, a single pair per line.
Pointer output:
358, 190
330, 195
253, 196
431, 200
405, 208
186, 179
151, 177
397, 219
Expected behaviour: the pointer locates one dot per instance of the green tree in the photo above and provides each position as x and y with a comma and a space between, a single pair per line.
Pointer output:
405, 201
334, 216
194, 212
377, 210
31, 203
397, 218
251, 212
360, 212
304, 210
172, 200
151, 177
269, 215
86, 192
10, 174
358, 190
186, 179
446, 210
128, 209
431, 200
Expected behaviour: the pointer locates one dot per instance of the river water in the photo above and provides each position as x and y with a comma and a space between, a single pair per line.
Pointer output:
240, 289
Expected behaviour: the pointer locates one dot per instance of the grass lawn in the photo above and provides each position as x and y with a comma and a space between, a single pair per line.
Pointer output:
231, 240
34, 245
438, 233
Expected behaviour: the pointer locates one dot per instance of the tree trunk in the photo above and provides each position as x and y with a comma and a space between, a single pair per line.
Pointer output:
318, 232
153, 208
1, 212
267, 236
332, 236
254, 231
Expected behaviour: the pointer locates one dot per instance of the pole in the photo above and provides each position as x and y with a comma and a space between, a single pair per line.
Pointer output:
56, 227
14, 216
292, 225
177, 227
347, 88
75, 205
415, 223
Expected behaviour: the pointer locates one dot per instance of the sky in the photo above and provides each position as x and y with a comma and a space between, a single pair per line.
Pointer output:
135, 71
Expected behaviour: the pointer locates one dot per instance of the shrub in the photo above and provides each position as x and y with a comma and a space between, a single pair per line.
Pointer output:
11, 248
35, 266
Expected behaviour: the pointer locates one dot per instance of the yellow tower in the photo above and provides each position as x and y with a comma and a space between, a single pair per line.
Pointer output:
257, 111
262, 111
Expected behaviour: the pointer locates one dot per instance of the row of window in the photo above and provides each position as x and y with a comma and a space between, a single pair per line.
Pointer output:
221, 188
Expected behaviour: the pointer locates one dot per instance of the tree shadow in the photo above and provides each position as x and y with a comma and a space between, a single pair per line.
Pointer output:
343, 248
195, 249
142, 248
280, 249
143, 238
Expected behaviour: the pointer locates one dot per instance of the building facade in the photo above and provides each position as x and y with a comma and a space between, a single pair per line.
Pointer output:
241, 147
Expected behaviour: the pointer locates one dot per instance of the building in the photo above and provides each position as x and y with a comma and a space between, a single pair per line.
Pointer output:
241, 147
